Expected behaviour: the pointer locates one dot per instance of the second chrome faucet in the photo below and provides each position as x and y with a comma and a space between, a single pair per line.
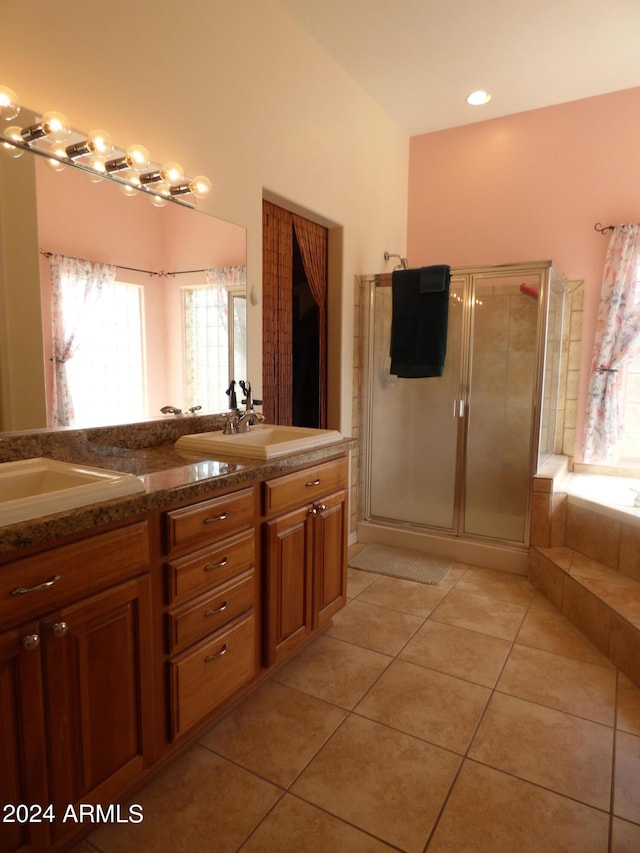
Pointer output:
238, 421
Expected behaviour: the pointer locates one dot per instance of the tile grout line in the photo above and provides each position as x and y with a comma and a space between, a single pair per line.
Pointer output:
612, 790
465, 757
349, 713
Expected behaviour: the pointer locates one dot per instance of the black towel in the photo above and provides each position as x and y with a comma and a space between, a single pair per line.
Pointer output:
420, 312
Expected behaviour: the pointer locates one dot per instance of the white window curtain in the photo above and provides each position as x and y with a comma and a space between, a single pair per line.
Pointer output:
207, 337
617, 341
74, 283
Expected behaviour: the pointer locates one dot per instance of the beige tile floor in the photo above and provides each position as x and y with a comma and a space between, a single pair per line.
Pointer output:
470, 717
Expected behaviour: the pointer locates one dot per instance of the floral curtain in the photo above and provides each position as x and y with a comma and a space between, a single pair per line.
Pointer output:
617, 340
73, 283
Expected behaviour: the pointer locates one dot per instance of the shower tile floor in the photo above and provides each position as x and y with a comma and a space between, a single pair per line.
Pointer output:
469, 717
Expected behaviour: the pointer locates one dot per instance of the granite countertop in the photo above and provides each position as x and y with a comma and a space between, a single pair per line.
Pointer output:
147, 451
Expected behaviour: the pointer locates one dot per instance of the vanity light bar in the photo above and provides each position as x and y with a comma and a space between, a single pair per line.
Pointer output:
132, 168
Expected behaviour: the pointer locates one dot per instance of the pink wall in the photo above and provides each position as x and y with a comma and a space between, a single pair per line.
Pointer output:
530, 187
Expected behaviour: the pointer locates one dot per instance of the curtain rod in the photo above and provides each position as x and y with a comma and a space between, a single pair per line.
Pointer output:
161, 274
602, 229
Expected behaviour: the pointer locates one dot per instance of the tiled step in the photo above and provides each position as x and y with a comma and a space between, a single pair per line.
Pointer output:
602, 602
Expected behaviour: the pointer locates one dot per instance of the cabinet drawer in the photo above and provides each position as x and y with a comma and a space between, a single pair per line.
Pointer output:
204, 677
210, 612
304, 486
209, 567
210, 521
70, 572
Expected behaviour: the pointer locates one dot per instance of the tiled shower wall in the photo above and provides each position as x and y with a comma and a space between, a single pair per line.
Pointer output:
570, 369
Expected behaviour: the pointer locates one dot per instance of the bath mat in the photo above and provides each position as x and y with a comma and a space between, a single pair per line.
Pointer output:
409, 565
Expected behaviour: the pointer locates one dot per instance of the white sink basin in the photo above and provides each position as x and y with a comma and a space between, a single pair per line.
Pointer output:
262, 441
30, 488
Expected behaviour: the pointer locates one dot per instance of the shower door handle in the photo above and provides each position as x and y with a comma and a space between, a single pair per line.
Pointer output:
458, 408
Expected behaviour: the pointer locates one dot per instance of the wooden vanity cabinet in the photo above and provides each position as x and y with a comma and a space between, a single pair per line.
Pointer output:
112, 657
212, 621
75, 672
305, 554
23, 776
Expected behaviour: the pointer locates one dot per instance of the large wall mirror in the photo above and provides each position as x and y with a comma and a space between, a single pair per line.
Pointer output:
169, 319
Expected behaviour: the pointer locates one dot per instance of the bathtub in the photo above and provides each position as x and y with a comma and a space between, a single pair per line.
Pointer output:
610, 496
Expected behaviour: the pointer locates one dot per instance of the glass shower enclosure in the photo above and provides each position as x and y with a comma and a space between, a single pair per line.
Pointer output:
455, 454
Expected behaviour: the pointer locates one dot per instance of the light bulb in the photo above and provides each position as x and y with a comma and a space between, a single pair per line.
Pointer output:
54, 163
479, 98
98, 169
56, 126
132, 177
128, 189
171, 173
162, 189
12, 151
132, 185
158, 200
53, 125
137, 157
97, 142
200, 186
9, 108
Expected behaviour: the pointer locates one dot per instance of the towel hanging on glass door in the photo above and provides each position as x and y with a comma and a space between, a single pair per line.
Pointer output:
419, 320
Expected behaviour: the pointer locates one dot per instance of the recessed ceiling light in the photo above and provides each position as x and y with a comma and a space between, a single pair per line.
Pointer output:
477, 99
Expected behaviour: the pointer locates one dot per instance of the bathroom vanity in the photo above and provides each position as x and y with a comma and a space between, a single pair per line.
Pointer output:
128, 628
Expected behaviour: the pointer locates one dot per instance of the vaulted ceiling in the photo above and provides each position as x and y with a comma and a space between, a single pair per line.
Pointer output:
419, 59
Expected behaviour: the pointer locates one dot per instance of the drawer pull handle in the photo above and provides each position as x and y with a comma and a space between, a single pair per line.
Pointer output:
31, 642
215, 610
217, 655
211, 566
313, 483
214, 518
21, 590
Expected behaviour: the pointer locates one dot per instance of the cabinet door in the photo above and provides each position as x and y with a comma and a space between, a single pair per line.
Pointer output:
289, 566
330, 556
22, 762
97, 665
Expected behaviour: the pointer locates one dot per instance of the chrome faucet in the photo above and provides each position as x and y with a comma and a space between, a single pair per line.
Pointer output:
636, 499
170, 410
249, 416
241, 421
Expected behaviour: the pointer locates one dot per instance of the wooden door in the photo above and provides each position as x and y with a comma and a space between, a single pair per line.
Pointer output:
97, 657
289, 562
294, 352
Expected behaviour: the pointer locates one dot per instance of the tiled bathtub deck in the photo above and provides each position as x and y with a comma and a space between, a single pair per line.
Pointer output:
603, 602
588, 565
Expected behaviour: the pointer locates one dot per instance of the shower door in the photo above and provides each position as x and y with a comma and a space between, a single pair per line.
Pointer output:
455, 453
501, 395
416, 428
